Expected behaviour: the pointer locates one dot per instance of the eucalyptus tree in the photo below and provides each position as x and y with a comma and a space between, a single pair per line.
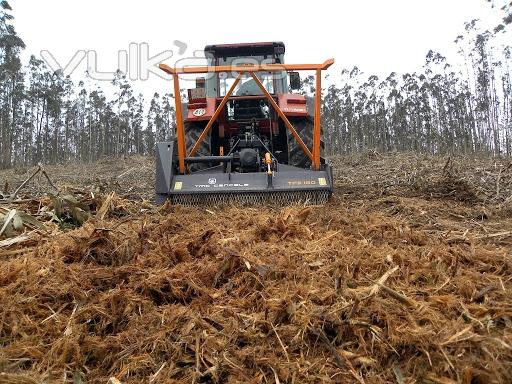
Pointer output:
137, 119
11, 83
123, 101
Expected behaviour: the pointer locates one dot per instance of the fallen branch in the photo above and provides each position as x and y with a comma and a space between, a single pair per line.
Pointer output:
455, 338
197, 372
337, 357
157, 372
13, 196
48, 178
398, 296
325, 238
126, 172
492, 235
14, 240
281, 343
105, 207
465, 239
375, 287
29, 220
338, 360
7, 220
41, 169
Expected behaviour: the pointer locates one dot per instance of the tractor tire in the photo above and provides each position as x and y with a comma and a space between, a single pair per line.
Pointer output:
192, 133
296, 156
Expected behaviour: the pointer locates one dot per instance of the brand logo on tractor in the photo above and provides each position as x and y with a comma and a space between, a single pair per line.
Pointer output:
199, 112
229, 185
289, 109
212, 181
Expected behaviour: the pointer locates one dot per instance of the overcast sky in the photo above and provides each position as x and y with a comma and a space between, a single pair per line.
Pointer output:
376, 35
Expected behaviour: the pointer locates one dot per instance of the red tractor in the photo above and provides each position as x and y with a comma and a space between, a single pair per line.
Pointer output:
243, 135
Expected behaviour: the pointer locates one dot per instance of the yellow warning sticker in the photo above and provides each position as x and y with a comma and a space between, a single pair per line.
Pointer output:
321, 181
178, 185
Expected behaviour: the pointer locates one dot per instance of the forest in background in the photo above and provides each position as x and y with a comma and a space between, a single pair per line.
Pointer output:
45, 117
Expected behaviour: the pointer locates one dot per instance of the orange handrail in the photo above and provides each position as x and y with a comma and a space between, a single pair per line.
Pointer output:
246, 68
314, 155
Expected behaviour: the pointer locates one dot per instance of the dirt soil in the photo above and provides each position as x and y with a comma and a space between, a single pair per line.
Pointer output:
405, 276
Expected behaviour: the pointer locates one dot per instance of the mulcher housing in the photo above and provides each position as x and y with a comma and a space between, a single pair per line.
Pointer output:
236, 139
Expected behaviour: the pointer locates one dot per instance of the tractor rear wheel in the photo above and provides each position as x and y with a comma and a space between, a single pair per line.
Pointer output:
296, 156
192, 132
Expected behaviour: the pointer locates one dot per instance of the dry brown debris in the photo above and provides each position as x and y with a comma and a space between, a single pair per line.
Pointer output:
370, 288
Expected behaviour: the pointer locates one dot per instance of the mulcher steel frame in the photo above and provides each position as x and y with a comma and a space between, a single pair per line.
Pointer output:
313, 155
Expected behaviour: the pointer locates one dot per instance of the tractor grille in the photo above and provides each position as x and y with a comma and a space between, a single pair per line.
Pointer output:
254, 198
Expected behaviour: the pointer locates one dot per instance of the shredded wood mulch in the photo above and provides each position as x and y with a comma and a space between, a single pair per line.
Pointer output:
391, 281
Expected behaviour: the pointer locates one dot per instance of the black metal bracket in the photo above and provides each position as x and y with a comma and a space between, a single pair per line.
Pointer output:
208, 159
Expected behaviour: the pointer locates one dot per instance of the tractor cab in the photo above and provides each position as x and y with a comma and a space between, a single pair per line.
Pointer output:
218, 84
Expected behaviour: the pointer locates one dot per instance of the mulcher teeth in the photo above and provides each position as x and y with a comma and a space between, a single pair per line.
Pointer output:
254, 198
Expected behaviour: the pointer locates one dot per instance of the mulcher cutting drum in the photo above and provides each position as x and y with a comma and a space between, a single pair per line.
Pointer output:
212, 186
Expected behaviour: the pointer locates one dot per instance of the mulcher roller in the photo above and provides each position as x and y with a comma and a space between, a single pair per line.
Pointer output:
214, 186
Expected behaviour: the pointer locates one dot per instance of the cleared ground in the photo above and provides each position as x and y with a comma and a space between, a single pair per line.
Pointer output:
405, 276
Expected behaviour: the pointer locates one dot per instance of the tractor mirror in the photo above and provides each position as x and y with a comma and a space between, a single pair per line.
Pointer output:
294, 80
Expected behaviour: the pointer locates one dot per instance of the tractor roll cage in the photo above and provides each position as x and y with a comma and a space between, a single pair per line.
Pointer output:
314, 155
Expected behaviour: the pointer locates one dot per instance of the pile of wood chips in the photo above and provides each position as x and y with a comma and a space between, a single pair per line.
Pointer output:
391, 281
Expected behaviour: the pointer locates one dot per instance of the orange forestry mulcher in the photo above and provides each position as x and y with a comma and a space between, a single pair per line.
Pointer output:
244, 136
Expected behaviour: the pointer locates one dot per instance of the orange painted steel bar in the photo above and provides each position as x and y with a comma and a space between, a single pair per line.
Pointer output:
316, 128
248, 68
282, 116
180, 129
216, 114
